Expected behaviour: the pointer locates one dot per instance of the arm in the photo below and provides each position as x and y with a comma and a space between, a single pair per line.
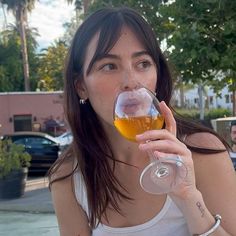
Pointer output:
216, 190
210, 185
71, 218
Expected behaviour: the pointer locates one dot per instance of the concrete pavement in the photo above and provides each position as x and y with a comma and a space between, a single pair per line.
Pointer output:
32, 214
37, 198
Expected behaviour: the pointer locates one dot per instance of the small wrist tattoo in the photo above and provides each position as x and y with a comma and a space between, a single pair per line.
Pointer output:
201, 209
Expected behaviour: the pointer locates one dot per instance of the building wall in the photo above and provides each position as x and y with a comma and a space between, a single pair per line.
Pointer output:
191, 99
41, 105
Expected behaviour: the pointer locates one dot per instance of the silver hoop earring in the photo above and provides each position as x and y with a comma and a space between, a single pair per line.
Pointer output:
82, 101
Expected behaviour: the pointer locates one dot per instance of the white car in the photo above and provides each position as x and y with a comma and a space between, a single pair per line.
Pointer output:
65, 139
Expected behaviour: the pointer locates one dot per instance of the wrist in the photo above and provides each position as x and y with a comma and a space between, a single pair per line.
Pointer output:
198, 217
188, 201
213, 228
186, 195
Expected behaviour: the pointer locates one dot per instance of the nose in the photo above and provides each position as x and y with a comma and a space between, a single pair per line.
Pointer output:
129, 81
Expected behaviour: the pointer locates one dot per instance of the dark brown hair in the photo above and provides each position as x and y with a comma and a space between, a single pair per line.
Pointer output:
91, 146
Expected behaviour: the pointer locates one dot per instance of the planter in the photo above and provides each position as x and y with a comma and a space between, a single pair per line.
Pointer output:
13, 185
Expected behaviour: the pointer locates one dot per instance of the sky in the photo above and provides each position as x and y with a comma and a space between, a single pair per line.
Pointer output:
48, 17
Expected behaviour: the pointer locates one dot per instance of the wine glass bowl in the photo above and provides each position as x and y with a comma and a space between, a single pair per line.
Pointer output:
137, 111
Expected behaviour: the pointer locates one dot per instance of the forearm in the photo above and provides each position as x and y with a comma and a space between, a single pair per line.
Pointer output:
198, 217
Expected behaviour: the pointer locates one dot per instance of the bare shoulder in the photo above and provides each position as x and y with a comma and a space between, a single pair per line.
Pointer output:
204, 140
71, 218
215, 178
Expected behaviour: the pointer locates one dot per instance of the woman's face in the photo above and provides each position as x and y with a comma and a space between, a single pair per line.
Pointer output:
126, 64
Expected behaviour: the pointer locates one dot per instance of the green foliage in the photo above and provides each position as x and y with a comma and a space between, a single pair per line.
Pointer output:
204, 39
217, 113
10, 61
13, 5
51, 66
210, 114
11, 64
12, 157
148, 8
19, 9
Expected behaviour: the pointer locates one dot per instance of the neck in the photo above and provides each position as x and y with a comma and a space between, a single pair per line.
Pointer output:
123, 149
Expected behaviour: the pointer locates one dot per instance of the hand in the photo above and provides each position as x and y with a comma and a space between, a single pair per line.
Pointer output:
164, 143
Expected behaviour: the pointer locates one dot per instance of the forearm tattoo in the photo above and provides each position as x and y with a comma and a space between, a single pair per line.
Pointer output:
201, 209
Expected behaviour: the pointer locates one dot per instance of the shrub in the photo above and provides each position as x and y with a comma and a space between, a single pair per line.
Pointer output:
209, 114
12, 157
217, 113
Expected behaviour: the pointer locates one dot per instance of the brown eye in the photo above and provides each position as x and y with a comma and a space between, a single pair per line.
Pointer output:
144, 65
108, 67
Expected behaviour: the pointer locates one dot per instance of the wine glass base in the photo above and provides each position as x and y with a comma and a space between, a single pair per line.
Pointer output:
161, 178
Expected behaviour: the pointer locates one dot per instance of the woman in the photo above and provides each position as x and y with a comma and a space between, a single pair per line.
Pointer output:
95, 184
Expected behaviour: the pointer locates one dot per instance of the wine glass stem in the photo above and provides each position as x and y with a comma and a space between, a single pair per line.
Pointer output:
162, 171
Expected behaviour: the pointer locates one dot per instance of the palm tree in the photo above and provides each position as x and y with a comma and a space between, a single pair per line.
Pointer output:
19, 9
80, 4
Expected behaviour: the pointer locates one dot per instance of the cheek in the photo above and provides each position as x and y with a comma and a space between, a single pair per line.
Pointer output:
102, 99
151, 83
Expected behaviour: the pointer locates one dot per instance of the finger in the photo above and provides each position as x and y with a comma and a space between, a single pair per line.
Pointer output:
166, 146
155, 135
170, 123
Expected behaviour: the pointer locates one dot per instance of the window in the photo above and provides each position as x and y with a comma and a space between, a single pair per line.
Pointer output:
38, 142
22, 123
20, 141
211, 98
196, 100
227, 98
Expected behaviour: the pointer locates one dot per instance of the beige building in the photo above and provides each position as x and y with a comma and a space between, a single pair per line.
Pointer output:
32, 111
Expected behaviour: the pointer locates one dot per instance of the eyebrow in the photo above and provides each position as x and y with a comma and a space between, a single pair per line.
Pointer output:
113, 56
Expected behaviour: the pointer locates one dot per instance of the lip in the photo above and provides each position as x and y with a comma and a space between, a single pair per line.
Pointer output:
130, 106
131, 102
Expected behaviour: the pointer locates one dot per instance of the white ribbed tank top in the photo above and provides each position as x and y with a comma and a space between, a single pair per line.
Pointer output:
168, 222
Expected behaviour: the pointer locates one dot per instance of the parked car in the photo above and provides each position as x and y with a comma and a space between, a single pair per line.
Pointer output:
43, 148
65, 139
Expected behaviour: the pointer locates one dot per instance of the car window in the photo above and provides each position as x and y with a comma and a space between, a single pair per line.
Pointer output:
20, 140
38, 142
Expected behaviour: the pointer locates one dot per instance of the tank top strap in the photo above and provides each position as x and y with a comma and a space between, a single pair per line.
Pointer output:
80, 191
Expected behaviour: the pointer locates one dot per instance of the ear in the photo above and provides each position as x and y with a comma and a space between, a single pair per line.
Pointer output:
81, 89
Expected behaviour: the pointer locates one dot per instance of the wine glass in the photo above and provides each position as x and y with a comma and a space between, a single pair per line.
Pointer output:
136, 111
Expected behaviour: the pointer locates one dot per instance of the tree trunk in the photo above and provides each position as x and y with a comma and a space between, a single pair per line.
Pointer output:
181, 90
20, 20
201, 101
77, 14
86, 4
234, 103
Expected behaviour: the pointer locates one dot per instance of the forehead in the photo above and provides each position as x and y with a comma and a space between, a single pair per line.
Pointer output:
92, 46
127, 40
